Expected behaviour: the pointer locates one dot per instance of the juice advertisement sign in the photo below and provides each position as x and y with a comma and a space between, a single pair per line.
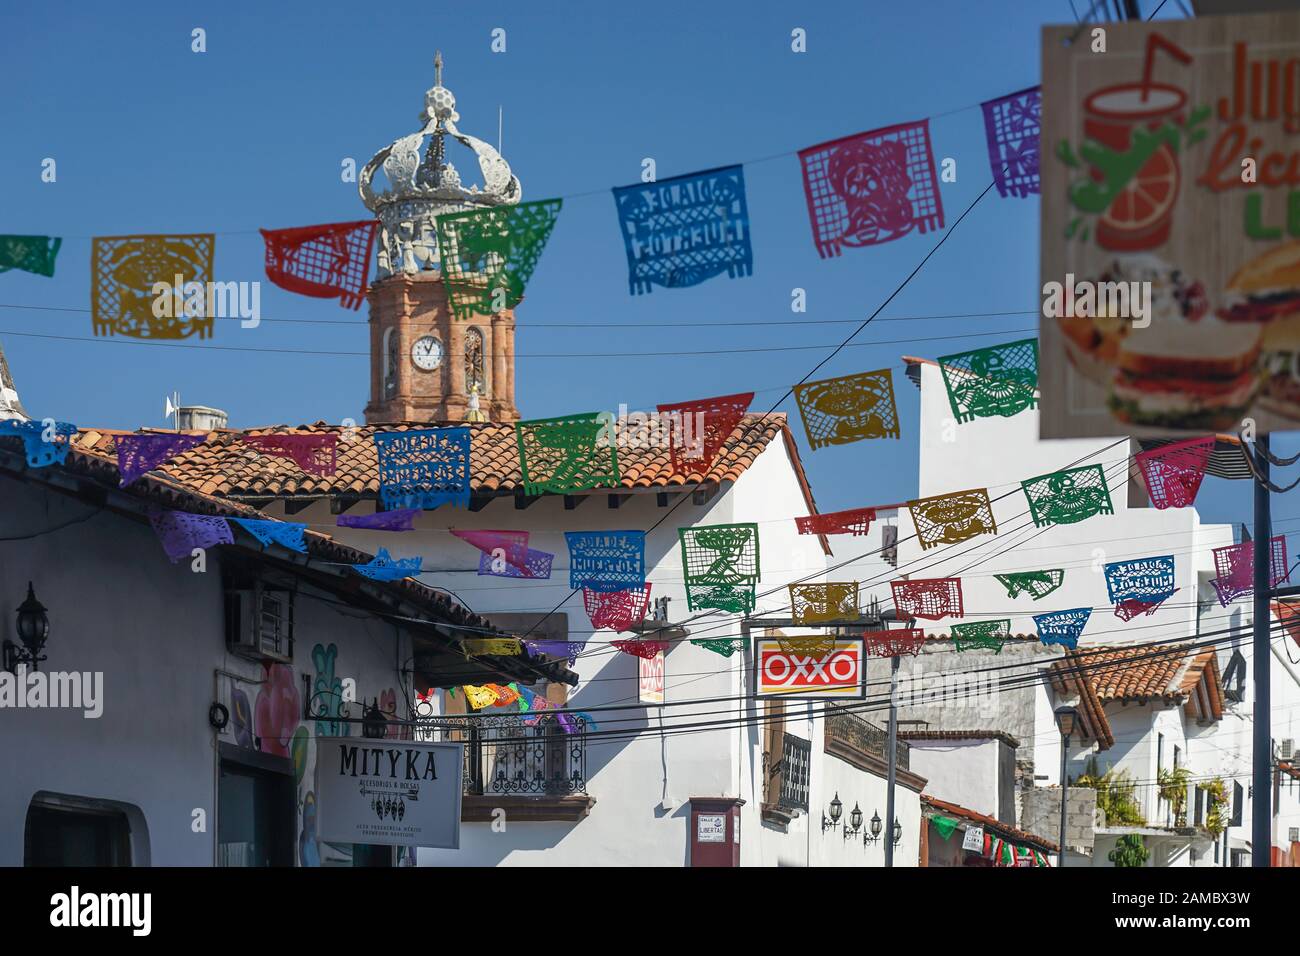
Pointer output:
1170, 231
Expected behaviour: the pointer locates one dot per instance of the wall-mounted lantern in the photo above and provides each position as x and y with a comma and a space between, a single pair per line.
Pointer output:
854, 825
873, 837
33, 629
836, 808
373, 723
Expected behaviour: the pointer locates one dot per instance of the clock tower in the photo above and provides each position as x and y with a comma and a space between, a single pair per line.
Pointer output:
426, 364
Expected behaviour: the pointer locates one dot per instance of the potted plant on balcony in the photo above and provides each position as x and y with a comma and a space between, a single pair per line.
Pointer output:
1130, 850
1173, 788
1115, 795
1217, 792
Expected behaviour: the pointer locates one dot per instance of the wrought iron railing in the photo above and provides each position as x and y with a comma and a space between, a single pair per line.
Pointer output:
796, 760
861, 735
505, 755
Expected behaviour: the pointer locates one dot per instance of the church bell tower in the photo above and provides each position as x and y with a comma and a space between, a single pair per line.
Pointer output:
426, 364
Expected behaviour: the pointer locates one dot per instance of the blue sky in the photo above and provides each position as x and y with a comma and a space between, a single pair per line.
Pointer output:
151, 137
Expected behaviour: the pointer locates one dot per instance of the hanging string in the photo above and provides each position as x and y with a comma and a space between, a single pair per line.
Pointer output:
1248, 453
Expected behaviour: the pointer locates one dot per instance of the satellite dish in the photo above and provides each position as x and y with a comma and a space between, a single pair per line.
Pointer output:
173, 407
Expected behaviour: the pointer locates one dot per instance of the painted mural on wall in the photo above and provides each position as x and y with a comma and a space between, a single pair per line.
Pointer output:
241, 717
279, 709
308, 851
328, 692
273, 723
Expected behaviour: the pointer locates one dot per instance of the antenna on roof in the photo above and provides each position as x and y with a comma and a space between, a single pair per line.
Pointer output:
172, 408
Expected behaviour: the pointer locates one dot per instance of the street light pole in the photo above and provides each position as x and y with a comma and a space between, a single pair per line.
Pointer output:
893, 760
1066, 718
1261, 829
1065, 746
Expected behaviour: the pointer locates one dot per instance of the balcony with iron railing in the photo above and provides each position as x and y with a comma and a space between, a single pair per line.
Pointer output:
850, 736
533, 767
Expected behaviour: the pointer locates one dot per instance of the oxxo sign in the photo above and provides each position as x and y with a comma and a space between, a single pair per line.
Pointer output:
650, 679
839, 674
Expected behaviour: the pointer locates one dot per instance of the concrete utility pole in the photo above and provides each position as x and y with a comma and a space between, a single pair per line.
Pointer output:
1261, 819
893, 761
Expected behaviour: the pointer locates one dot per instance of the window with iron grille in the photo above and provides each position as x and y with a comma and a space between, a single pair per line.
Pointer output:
258, 616
787, 759
796, 762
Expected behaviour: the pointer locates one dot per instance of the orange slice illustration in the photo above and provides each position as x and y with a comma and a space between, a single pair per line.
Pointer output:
1139, 217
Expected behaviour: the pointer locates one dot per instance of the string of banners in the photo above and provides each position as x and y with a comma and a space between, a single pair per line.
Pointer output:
423, 469
861, 190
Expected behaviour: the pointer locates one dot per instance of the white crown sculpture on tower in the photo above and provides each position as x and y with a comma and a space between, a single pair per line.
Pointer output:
423, 185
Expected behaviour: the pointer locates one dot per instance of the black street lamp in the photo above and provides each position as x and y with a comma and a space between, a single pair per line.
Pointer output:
33, 629
854, 826
898, 832
373, 723
870, 839
836, 809
892, 618
1066, 718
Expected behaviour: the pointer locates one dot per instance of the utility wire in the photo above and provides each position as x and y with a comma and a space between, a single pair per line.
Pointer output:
524, 326
678, 353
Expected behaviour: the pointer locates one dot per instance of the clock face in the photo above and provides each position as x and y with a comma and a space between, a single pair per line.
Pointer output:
426, 353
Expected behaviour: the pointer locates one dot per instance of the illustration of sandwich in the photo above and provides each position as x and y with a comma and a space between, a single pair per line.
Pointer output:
1266, 288
1093, 343
1201, 377
1280, 361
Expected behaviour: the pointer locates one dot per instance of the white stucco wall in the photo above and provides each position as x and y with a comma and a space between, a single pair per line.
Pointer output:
155, 630
641, 785
964, 772
997, 454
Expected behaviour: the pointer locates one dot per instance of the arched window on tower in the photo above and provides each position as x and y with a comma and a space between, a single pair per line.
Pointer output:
390, 363
474, 361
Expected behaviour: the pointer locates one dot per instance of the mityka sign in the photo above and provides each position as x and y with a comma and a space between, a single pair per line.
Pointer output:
388, 792
1171, 196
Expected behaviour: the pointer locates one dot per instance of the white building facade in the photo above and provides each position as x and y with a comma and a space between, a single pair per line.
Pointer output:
1008, 692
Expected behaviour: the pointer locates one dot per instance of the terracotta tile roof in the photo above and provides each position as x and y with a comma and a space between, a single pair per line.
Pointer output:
226, 467
1138, 674
1071, 682
1005, 830
1141, 674
1203, 682
155, 490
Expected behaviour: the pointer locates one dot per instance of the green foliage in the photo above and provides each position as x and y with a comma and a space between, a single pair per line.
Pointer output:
1116, 795
1173, 787
1216, 818
1129, 850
